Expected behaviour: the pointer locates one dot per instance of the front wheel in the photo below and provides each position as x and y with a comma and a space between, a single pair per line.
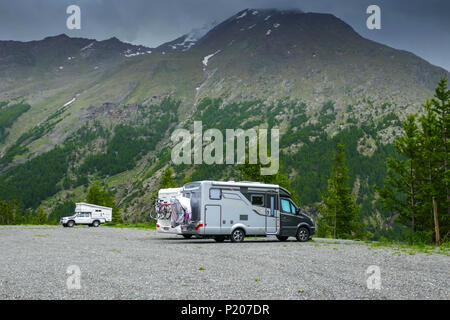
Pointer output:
187, 236
302, 234
282, 238
237, 235
70, 224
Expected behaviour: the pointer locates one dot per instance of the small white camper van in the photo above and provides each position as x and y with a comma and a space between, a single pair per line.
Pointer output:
88, 214
233, 210
163, 224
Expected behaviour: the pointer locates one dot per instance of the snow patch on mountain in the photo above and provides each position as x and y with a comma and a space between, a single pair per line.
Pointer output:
69, 102
129, 53
242, 15
87, 47
207, 58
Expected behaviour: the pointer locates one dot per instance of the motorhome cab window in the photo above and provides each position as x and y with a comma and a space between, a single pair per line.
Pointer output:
287, 206
215, 194
257, 200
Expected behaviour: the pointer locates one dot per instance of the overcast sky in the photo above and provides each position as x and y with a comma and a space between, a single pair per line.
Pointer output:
419, 26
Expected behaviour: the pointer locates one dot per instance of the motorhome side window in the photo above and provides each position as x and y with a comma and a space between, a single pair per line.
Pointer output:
215, 194
257, 200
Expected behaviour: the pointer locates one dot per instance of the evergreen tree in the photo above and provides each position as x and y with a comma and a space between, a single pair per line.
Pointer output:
417, 187
432, 187
440, 105
399, 193
339, 212
167, 181
41, 216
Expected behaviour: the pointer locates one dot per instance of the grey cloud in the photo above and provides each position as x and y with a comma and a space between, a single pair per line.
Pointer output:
421, 27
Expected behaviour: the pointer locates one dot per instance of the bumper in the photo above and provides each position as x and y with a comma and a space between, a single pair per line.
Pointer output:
168, 229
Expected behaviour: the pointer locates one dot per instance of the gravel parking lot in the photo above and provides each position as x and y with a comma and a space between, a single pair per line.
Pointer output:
142, 264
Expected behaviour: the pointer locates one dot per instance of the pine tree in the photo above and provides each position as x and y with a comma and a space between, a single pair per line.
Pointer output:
339, 212
417, 186
41, 216
440, 105
399, 193
432, 182
167, 181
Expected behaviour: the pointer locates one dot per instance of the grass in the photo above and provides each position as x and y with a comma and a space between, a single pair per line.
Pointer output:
150, 225
412, 249
201, 268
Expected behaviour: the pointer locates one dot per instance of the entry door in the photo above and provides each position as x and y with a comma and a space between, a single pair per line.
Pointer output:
271, 214
213, 218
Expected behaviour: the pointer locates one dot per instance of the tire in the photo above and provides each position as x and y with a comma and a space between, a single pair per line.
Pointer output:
302, 234
96, 223
282, 238
219, 238
237, 235
70, 224
187, 236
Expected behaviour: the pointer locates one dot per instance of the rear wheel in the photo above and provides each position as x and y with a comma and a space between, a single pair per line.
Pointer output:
302, 234
96, 223
237, 235
282, 238
187, 236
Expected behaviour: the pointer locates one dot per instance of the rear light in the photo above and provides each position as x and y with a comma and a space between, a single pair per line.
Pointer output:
172, 226
157, 225
181, 227
199, 226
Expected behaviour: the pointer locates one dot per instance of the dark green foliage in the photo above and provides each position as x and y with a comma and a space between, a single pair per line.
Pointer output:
10, 212
167, 180
416, 187
64, 209
36, 179
129, 143
8, 115
339, 212
20, 145
102, 197
123, 150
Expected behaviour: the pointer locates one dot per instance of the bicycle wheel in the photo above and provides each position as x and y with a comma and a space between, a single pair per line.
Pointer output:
153, 214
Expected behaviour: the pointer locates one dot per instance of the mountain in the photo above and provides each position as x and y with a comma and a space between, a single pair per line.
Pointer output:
76, 110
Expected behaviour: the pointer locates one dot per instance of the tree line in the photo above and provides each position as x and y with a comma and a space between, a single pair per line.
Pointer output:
416, 189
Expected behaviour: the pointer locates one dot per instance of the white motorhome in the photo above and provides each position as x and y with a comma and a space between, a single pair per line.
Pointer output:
88, 214
233, 210
163, 224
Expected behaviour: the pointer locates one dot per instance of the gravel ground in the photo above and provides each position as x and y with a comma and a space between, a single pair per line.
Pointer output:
142, 264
